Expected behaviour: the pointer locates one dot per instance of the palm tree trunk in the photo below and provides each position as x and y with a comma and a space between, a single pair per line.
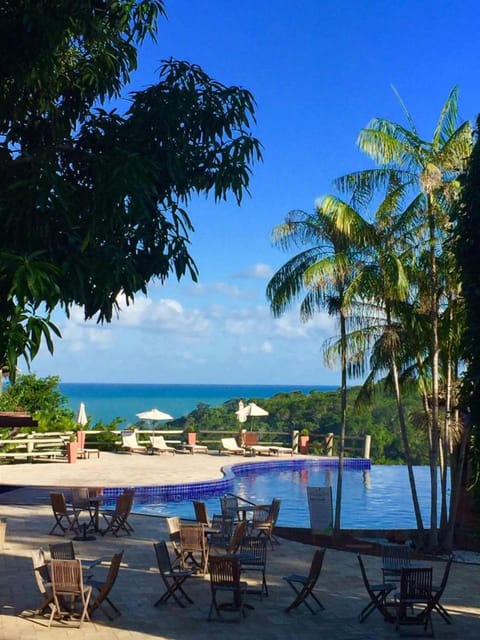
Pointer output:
343, 421
406, 449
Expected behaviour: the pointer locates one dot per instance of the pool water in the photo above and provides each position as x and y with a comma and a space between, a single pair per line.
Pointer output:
378, 498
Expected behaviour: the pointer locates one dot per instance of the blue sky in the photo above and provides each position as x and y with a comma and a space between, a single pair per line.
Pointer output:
319, 71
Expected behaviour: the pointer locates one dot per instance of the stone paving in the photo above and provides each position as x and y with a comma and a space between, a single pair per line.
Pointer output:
138, 586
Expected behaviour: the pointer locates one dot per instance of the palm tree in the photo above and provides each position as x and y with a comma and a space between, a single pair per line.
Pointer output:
322, 272
427, 172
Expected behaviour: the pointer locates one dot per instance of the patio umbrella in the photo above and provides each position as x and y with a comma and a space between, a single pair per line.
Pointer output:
251, 410
82, 419
154, 414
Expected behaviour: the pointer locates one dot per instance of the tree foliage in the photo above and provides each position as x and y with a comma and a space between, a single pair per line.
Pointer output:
93, 200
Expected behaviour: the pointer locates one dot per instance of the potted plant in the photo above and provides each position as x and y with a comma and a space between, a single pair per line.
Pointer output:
304, 438
72, 448
192, 435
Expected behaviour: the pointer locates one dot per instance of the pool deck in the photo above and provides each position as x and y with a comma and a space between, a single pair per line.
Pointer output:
340, 588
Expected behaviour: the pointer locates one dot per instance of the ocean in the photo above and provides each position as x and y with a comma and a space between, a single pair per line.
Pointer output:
105, 402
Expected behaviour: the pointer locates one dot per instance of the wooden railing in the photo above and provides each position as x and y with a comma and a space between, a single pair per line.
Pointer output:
53, 444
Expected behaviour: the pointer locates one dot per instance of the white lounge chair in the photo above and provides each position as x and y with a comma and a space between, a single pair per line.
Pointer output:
230, 446
130, 442
160, 446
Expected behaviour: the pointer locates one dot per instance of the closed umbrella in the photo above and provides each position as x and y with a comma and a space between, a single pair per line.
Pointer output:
82, 419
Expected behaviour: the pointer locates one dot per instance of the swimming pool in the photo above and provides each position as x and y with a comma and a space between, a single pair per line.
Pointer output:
375, 498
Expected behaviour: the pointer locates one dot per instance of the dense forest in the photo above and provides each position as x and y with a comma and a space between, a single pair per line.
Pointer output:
319, 413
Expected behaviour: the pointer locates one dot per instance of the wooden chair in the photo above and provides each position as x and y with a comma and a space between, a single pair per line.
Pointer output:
43, 580
117, 519
238, 534
414, 602
304, 585
378, 594
160, 446
253, 558
221, 534
173, 578
395, 557
80, 501
101, 588
65, 517
438, 593
193, 547
68, 591
225, 578
229, 507
131, 444
264, 520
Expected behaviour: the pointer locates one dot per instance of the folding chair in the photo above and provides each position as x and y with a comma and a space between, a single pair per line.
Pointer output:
68, 591
378, 594
237, 536
253, 558
173, 579
101, 588
80, 500
221, 532
304, 585
193, 546
414, 602
42, 578
65, 518
264, 520
225, 578
438, 593
117, 519
173, 525
395, 557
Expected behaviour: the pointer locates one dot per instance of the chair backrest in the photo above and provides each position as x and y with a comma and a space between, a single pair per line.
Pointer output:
192, 537
173, 526
163, 557
229, 444
62, 551
237, 536
223, 529
124, 502
158, 442
261, 514
40, 570
395, 556
58, 502
275, 510
316, 566
129, 439
80, 497
110, 577
201, 512
366, 581
66, 577
415, 583
255, 549
224, 571
229, 506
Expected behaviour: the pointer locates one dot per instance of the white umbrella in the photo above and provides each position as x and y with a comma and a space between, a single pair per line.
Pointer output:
251, 410
82, 419
154, 414
241, 417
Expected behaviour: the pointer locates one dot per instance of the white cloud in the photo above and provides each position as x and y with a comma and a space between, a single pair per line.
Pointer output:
259, 271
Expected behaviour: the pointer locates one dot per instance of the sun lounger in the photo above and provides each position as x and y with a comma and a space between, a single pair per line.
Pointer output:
160, 446
230, 446
131, 444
